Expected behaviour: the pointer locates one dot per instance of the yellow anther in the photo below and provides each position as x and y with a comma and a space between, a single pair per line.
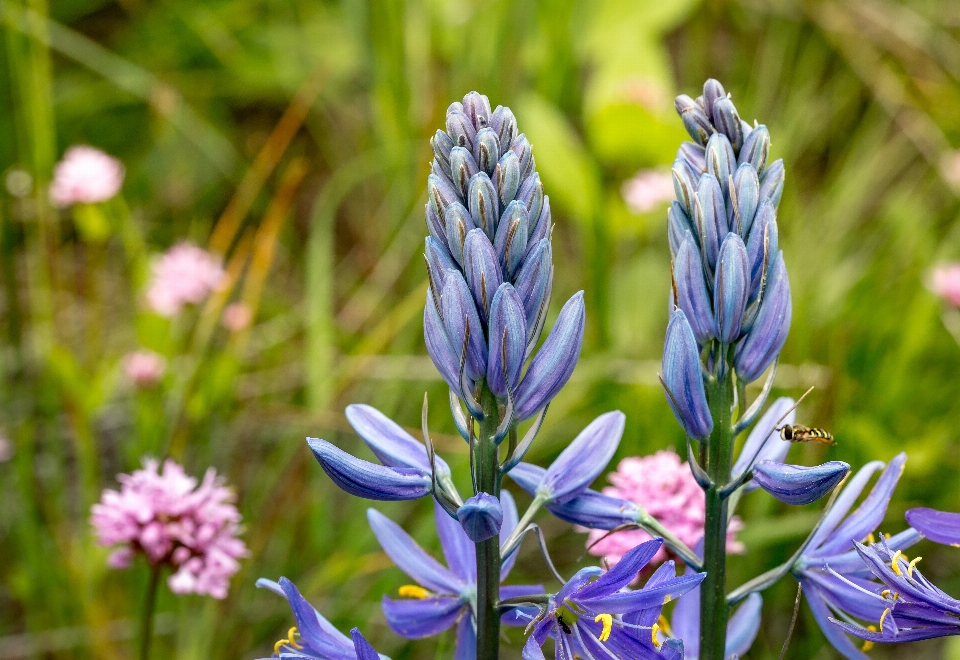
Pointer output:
870, 538
664, 625
653, 635
867, 645
911, 565
292, 638
894, 563
413, 591
885, 593
280, 644
882, 617
667, 599
607, 620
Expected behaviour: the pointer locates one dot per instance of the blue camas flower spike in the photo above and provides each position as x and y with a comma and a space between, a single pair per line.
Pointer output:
683, 378
370, 480
762, 345
799, 484
692, 295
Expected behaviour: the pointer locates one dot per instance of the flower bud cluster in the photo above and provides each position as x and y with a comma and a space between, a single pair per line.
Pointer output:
490, 262
731, 293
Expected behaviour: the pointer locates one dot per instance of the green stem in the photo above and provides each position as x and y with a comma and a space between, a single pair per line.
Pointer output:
488, 552
149, 603
719, 455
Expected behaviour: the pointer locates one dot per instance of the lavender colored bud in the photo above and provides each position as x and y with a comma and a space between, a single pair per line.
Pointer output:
771, 182
678, 225
461, 130
534, 279
541, 229
798, 484
746, 197
553, 364
756, 148
370, 480
505, 124
692, 295
506, 177
486, 150
762, 344
484, 204
440, 193
685, 180
712, 93
441, 352
442, 144
511, 241
482, 269
710, 217
694, 119
462, 168
763, 242
731, 288
508, 340
683, 378
524, 151
438, 259
720, 159
727, 120
695, 155
458, 223
460, 316
938, 526
481, 517
531, 194
456, 106
435, 224
477, 107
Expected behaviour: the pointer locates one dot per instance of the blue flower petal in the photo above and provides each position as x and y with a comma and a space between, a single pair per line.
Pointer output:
458, 550
315, 630
393, 446
411, 558
481, 517
743, 626
510, 520
584, 458
418, 618
466, 648
766, 438
938, 526
799, 484
362, 646
595, 510
365, 479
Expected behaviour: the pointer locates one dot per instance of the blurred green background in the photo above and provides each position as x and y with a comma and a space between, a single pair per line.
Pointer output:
291, 136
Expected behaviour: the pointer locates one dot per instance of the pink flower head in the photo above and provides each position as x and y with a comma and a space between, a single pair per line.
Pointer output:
184, 274
237, 316
945, 282
648, 190
665, 487
85, 176
144, 368
174, 522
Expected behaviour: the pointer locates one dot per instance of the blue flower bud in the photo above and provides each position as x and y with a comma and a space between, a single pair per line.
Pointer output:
456, 106
435, 225
685, 180
731, 288
694, 119
458, 223
746, 199
462, 168
444, 357
531, 194
721, 161
508, 340
461, 129
505, 124
438, 262
370, 480
477, 107
553, 364
798, 484
440, 193
756, 148
712, 92
692, 295
506, 177
678, 226
484, 204
710, 216
534, 279
486, 150
481, 517
511, 242
694, 154
541, 229
763, 242
727, 120
521, 147
460, 317
762, 344
482, 270
442, 144
683, 378
771, 182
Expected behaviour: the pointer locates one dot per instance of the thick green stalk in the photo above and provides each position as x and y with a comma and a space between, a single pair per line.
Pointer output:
146, 621
719, 454
488, 552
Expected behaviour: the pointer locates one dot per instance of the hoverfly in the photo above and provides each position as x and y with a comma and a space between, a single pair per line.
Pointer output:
801, 433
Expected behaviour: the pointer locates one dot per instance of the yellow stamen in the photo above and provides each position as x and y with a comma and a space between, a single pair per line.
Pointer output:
870, 538
667, 599
413, 591
664, 625
911, 565
882, 617
607, 620
885, 593
653, 635
291, 638
867, 645
895, 564
280, 644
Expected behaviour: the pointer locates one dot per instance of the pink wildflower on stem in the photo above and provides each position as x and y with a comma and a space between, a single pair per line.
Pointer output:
165, 516
85, 176
945, 282
648, 191
144, 368
666, 488
184, 274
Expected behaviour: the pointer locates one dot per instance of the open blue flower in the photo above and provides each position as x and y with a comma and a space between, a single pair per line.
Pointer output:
595, 616
444, 596
742, 627
314, 636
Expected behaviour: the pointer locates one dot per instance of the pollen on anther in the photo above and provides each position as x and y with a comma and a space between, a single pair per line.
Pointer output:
607, 620
882, 617
413, 591
653, 635
911, 565
867, 645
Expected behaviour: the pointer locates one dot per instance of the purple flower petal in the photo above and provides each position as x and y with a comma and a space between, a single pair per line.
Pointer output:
743, 626
315, 630
393, 446
765, 438
527, 476
466, 648
595, 510
583, 460
938, 526
365, 479
481, 517
623, 573
362, 646
683, 378
799, 484
833, 632
458, 550
418, 618
411, 558
842, 506
508, 338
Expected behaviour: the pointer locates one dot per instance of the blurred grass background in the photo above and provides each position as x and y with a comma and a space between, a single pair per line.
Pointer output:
291, 136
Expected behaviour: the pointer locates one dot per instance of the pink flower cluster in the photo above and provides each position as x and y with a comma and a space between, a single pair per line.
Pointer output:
184, 274
648, 191
666, 488
172, 521
945, 282
144, 368
85, 176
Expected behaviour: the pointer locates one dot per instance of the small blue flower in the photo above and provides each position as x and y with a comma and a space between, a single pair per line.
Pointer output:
683, 378
481, 517
799, 484
742, 628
